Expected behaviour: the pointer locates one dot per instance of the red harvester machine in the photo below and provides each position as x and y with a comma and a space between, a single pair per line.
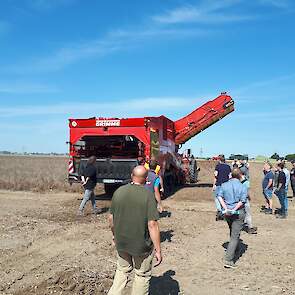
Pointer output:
121, 144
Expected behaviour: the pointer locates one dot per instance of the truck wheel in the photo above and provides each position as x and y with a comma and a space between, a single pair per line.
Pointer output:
110, 189
193, 171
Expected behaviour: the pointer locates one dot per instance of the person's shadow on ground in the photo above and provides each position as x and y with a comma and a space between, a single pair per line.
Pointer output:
241, 250
165, 284
201, 184
165, 214
103, 210
98, 197
166, 235
103, 197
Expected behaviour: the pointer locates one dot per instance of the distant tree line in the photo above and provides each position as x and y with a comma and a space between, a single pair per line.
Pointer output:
6, 153
288, 157
32, 154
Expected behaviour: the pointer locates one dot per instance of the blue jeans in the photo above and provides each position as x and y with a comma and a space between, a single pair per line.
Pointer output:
267, 193
217, 203
282, 196
88, 195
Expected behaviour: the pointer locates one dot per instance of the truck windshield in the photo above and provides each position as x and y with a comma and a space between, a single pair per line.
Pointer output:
115, 146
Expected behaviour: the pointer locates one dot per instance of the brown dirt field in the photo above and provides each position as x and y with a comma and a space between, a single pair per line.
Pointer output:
46, 249
35, 173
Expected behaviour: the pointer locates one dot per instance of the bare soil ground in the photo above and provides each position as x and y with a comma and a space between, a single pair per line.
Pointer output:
46, 249
35, 173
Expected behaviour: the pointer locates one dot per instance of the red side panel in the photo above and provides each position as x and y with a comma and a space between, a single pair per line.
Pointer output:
107, 122
203, 117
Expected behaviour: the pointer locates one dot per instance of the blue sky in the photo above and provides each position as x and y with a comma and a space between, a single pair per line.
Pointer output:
71, 58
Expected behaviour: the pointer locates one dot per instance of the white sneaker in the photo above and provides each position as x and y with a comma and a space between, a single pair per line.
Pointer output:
80, 213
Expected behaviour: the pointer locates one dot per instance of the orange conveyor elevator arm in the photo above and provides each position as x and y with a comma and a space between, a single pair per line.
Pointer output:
203, 117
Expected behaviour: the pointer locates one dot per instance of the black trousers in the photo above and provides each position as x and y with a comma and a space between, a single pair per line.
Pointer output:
235, 224
293, 186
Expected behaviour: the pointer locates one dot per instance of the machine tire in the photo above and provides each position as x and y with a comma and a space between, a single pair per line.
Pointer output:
193, 171
110, 189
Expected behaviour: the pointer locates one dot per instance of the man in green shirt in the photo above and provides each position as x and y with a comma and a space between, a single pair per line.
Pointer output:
133, 221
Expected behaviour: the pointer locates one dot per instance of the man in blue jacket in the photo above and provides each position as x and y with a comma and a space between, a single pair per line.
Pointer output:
221, 175
232, 197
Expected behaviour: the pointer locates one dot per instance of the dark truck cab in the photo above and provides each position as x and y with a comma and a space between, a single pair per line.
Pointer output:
116, 157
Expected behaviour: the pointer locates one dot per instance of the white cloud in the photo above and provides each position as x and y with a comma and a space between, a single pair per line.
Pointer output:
208, 12
26, 87
116, 40
123, 108
277, 3
65, 56
158, 27
158, 32
264, 83
258, 93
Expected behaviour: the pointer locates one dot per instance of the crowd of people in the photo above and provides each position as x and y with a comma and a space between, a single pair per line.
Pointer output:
232, 199
135, 209
276, 181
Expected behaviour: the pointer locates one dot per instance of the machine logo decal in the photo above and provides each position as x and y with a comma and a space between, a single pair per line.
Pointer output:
107, 123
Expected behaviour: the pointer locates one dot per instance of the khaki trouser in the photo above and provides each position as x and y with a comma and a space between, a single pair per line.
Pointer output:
143, 272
